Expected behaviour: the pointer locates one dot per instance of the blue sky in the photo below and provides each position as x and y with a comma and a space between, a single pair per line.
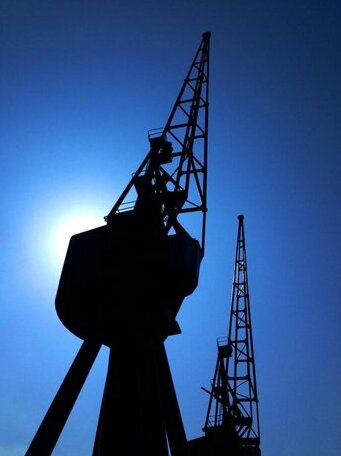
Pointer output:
81, 83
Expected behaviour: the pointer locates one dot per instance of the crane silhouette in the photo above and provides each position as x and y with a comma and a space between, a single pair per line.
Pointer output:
122, 285
232, 420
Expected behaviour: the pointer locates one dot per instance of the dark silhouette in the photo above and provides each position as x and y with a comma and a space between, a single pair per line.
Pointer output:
123, 284
232, 421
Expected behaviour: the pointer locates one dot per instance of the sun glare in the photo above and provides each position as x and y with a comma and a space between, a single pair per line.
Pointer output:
67, 227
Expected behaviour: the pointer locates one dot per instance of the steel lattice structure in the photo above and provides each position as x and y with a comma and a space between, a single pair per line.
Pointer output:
175, 167
233, 404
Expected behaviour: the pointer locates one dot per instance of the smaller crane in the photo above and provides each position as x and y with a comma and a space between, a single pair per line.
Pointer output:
232, 421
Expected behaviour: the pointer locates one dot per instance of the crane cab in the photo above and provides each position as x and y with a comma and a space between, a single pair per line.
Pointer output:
118, 277
161, 148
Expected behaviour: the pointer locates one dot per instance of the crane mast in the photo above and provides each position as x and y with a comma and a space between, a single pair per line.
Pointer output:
122, 285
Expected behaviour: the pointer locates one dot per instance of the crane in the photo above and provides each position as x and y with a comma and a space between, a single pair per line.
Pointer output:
232, 420
122, 285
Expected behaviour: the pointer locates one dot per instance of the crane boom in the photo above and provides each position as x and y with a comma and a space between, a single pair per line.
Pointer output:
175, 168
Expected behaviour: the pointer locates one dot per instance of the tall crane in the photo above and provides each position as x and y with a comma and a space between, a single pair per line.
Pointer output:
122, 285
232, 421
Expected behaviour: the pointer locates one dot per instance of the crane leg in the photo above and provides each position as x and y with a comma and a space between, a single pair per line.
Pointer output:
131, 415
53, 423
139, 410
174, 426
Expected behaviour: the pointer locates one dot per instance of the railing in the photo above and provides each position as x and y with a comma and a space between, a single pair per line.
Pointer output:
155, 132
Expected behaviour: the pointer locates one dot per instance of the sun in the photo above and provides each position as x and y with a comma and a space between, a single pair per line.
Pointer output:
46, 236
67, 226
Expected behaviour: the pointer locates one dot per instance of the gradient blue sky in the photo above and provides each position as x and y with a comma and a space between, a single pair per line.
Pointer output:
81, 82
